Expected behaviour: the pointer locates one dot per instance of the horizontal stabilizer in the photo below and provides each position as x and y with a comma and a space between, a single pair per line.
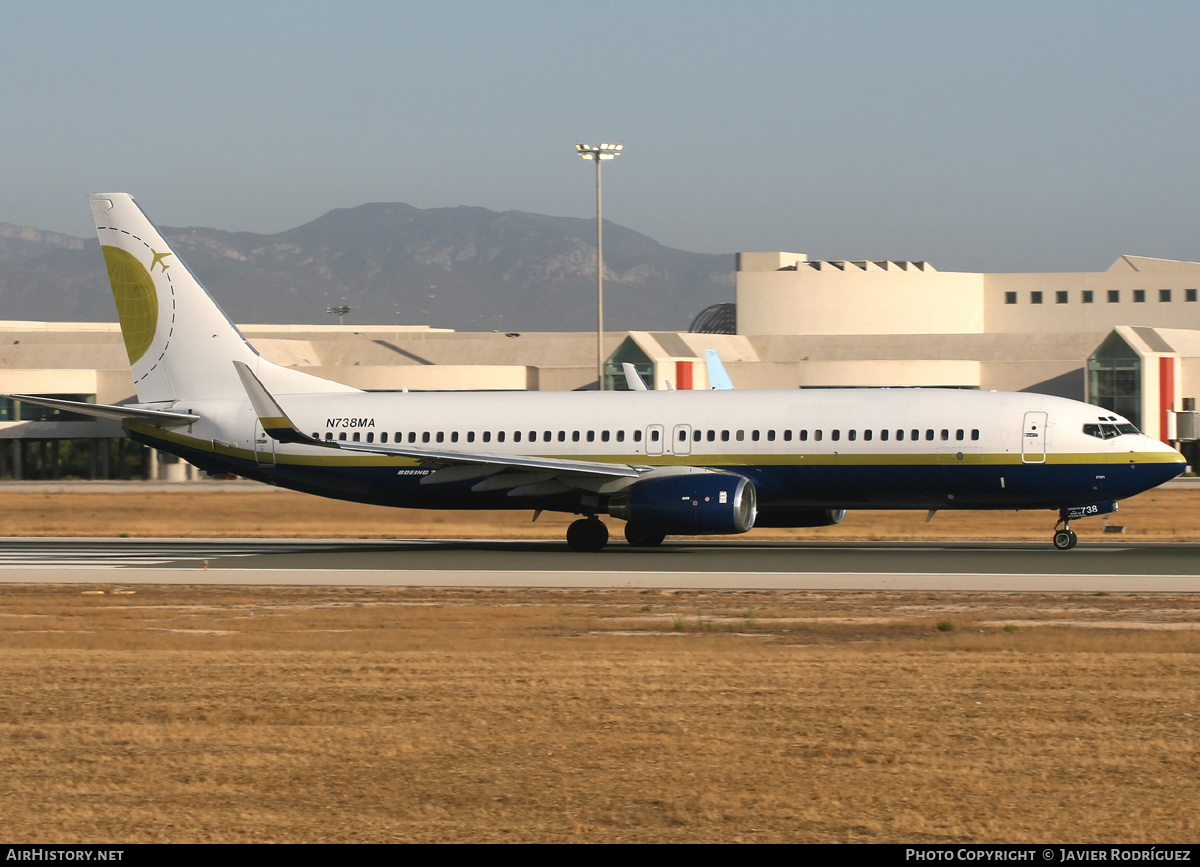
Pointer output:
157, 417
270, 414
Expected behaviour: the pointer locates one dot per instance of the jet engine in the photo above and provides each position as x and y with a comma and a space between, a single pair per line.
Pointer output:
688, 504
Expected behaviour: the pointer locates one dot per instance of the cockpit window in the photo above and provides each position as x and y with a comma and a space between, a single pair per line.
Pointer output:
1109, 431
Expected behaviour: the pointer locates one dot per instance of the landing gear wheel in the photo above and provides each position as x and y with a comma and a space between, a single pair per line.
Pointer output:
1065, 540
641, 537
587, 534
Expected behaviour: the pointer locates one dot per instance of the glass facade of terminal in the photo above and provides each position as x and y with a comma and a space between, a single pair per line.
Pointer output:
1115, 379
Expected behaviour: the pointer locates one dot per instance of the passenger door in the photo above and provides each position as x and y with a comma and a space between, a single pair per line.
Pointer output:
1033, 438
654, 439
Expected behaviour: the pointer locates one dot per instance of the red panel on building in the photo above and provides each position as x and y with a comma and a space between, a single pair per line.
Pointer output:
683, 375
1166, 394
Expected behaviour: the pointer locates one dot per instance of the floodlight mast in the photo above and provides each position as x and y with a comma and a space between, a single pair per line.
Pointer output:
599, 153
339, 311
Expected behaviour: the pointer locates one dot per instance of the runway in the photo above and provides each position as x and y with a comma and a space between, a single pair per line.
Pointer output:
968, 566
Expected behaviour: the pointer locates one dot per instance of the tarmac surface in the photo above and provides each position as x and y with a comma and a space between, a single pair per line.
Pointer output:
978, 566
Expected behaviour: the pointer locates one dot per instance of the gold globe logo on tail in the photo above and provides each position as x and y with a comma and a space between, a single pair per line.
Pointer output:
137, 301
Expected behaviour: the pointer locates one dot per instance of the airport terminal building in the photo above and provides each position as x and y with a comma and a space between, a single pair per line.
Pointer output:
1127, 338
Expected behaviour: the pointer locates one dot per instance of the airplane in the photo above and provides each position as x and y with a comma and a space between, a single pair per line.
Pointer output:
666, 462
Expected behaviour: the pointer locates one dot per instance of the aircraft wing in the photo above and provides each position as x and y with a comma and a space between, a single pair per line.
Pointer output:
538, 469
158, 417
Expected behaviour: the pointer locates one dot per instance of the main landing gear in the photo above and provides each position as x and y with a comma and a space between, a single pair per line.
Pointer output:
590, 534
1064, 537
643, 537
587, 534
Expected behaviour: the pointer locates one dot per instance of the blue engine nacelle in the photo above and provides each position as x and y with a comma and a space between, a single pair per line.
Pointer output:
800, 518
689, 504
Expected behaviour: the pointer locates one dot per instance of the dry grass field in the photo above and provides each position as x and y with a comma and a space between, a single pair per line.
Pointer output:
261, 511
379, 715
218, 714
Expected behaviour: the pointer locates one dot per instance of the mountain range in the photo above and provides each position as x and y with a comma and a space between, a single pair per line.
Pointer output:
466, 268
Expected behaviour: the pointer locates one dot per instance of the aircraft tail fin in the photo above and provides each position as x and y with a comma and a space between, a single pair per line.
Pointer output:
178, 339
633, 379
718, 379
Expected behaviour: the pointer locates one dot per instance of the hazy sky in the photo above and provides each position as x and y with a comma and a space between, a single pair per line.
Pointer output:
1007, 136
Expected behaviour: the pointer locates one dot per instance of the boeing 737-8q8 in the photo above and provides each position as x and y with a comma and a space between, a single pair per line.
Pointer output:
673, 462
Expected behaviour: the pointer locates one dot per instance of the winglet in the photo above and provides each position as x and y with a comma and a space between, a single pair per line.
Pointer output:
633, 379
718, 379
270, 414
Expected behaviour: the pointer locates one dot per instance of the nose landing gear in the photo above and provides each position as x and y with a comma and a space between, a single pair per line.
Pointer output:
1064, 539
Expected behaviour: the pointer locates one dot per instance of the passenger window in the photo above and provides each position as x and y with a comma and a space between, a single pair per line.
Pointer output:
835, 435
852, 435
697, 435
603, 436
547, 436
770, 436
562, 436
712, 435
803, 436
357, 435
412, 436
929, 434
454, 436
974, 434
342, 437
470, 436
867, 435
818, 435
383, 437
591, 436
441, 436
574, 436
654, 435
754, 435
787, 436
487, 436
683, 436
637, 436
370, 437
425, 436
328, 436
724, 436
499, 436
883, 435
620, 436
945, 434
900, 435
740, 435
916, 435
960, 435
